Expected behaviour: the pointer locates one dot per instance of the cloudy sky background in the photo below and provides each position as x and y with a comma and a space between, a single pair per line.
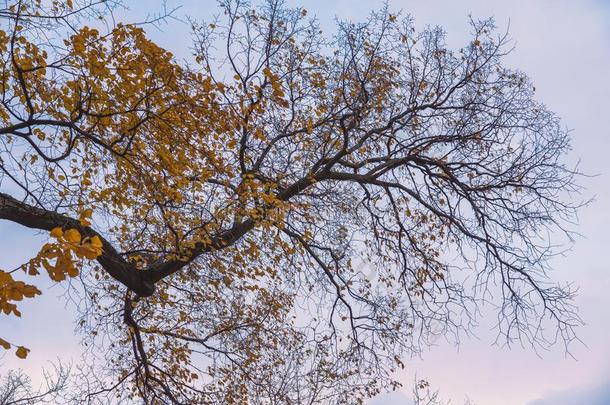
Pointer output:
564, 45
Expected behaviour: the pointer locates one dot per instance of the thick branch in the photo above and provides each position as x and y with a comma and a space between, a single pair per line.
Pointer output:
27, 215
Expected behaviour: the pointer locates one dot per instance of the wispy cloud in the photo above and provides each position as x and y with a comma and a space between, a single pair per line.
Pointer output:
597, 395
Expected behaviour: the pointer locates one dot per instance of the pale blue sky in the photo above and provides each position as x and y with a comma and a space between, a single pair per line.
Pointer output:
564, 45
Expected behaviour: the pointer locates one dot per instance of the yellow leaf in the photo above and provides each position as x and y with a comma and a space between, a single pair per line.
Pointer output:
30, 291
84, 251
90, 248
6, 345
72, 236
22, 352
15, 295
71, 270
85, 216
5, 277
96, 242
57, 232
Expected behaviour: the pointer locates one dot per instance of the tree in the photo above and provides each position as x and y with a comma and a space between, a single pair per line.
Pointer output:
289, 216
423, 395
16, 387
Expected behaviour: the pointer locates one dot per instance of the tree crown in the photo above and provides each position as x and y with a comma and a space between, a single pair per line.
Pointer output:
288, 217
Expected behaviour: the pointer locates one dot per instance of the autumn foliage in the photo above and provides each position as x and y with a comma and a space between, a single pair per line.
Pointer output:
285, 218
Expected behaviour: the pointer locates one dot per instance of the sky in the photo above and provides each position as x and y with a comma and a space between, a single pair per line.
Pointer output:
564, 46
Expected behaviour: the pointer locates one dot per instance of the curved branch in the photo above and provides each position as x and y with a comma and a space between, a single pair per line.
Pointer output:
117, 267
